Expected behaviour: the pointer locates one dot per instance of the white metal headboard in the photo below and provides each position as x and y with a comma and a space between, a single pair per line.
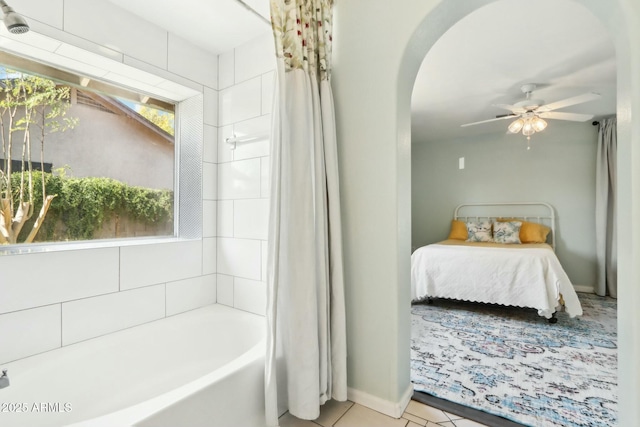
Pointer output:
548, 218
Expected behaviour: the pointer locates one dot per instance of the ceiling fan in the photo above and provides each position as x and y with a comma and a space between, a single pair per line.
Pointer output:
529, 113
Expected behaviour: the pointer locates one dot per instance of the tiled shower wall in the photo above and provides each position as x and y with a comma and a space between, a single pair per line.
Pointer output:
50, 299
246, 81
53, 299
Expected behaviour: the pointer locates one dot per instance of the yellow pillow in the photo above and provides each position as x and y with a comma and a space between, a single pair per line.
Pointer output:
458, 230
530, 232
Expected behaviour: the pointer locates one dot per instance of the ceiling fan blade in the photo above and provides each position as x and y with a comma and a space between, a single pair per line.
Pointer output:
507, 116
586, 97
512, 108
559, 115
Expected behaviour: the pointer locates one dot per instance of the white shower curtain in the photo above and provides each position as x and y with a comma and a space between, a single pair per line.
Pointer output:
306, 343
606, 231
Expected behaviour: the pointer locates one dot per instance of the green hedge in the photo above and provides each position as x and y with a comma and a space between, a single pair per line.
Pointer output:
84, 204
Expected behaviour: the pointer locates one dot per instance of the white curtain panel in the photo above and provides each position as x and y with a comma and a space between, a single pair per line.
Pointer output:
306, 342
606, 231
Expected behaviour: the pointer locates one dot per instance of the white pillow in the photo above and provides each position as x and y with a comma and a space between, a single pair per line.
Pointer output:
507, 232
479, 231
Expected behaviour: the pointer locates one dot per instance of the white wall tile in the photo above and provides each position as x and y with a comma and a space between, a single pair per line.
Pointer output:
28, 332
209, 218
265, 177
190, 61
265, 255
239, 257
226, 70
210, 144
189, 294
209, 181
210, 107
209, 255
225, 153
260, 126
144, 265
241, 102
251, 218
171, 80
250, 295
137, 80
92, 317
225, 290
255, 58
56, 276
48, 12
135, 37
225, 218
268, 86
239, 180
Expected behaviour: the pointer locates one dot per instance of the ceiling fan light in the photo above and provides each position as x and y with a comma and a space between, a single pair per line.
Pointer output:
539, 124
527, 128
516, 126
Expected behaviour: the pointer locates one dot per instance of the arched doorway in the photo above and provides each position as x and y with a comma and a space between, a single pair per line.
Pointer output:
616, 27
480, 61
375, 67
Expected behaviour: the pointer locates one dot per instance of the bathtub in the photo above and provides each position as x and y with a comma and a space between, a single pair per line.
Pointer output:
200, 368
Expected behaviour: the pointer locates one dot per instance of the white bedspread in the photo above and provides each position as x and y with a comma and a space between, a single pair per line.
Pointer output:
522, 276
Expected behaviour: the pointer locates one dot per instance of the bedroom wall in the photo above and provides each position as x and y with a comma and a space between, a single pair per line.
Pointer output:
57, 297
559, 169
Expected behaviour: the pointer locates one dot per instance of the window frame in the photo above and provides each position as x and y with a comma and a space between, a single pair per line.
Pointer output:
189, 127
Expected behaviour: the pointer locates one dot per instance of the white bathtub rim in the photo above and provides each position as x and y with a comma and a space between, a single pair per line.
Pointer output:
132, 415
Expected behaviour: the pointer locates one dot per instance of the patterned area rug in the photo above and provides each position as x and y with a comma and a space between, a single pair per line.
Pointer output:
512, 363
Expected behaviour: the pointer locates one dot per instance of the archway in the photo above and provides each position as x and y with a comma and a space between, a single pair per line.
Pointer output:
378, 48
433, 27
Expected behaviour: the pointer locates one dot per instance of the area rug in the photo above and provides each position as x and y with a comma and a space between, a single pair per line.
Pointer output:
512, 363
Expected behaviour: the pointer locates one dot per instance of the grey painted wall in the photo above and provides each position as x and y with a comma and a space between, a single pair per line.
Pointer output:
559, 169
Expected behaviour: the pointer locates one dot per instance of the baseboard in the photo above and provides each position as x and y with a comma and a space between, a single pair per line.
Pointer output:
392, 409
585, 289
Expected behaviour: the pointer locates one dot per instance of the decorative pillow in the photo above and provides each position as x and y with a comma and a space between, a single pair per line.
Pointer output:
507, 232
479, 231
458, 230
530, 232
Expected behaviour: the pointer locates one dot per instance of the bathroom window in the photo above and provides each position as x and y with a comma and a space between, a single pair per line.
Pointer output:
82, 159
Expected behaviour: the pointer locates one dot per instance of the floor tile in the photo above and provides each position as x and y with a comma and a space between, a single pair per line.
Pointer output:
468, 423
288, 420
412, 424
414, 419
453, 417
447, 424
359, 416
331, 412
426, 412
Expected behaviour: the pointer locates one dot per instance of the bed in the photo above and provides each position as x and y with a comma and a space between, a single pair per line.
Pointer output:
505, 259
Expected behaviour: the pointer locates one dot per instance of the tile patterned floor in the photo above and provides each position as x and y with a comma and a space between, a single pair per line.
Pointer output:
349, 414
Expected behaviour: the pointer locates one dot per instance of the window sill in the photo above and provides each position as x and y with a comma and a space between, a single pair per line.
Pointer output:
35, 248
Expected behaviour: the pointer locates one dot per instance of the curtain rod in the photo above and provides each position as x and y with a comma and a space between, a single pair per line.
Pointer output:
252, 10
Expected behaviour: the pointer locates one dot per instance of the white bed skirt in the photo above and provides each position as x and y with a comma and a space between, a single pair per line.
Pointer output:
524, 277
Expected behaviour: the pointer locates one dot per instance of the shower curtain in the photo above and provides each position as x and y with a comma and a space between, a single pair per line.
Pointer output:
606, 240
306, 341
